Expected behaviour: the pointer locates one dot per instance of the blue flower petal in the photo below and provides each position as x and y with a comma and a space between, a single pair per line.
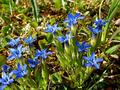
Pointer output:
99, 60
33, 63
72, 19
2, 87
5, 68
52, 28
86, 58
82, 47
88, 65
21, 71
42, 54
29, 40
97, 66
11, 57
19, 67
92, 61
61, 39
6, 79
14, 42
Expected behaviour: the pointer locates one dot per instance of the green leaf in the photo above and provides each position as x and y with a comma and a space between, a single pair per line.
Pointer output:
44, 71
6, 19
8, 88
58, 4
117, 37
33, 88
56, 78
5, 2
62, 60
49, 37
6, 29
2, 60
112, 49
37, 74
21, 87
115, 6
34, 24
63, 4
42, 43
59, 46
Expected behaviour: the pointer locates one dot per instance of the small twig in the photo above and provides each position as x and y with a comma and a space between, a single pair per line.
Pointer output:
49, 85
112, 76
114, 34
100, 79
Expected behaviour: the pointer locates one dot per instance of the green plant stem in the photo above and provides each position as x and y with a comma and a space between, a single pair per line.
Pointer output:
73, 30
100, 8
63, 4
35, 9
10, 6
112, 12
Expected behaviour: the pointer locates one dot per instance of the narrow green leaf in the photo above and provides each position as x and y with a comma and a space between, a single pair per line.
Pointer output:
35, 9
115, 6
117, 38
112, 49
56, 78
49, 37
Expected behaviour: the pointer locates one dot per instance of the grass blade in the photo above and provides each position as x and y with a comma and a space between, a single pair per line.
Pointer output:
112, 12
35, 9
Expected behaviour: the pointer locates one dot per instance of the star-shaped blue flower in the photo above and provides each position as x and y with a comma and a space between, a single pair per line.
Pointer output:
21, 70
5, 68
72, 19
14, 42
65, 38
82, 47
29, 40
15, 53
95, 31
43, 53
100, 23
52, 28
92, 61
33, 62
6, 80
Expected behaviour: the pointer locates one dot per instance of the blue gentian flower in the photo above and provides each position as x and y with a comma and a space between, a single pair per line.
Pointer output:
92, 61
14, 42
21, 71
95, 31
5, 68
72, 19
52, 29
29, 40
6, 80
65, 38
43, 53
33, 63
82, 47
100, 23
15, 53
